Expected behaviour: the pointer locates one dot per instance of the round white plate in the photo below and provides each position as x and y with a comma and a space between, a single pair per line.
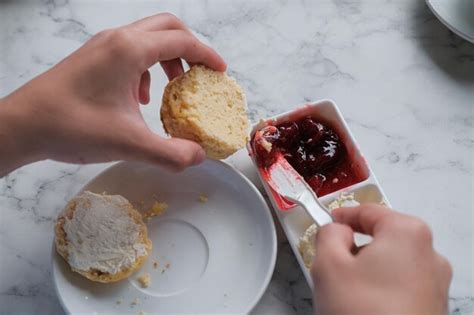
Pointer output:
214, 257
457, 15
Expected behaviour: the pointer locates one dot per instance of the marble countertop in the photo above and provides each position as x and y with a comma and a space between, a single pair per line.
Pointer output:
404, 83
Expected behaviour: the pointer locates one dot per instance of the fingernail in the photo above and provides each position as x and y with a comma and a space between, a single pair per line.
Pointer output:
200, 157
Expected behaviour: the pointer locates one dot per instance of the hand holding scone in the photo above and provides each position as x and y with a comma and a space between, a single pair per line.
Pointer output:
86, 108
398, 273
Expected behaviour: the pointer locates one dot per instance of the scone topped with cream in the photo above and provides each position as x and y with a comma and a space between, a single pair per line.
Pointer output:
207, 107
102, 237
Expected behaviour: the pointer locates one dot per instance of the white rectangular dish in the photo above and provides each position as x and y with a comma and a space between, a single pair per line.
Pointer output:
295, 220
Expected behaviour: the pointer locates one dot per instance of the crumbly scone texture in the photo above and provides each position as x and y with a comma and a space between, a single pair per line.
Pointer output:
97, 275
207, 107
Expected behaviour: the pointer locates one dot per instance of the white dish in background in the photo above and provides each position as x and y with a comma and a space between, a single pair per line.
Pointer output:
457, 15
221, 253
296, 220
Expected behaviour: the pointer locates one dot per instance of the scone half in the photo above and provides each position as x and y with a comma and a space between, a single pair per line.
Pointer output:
207, 107
102, 237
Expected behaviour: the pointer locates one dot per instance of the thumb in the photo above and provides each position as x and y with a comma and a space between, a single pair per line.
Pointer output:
173, 153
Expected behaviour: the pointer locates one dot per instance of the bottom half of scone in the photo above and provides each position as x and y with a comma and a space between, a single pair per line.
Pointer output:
67, 248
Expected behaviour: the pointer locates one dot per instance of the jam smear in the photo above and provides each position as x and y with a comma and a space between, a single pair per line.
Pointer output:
313, 149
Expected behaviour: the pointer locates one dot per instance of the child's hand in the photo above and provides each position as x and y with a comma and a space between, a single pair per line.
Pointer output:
86, 108
398, 273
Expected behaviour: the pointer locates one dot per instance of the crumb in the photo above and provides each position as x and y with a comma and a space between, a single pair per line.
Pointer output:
142, 313
155, 264
157, 209
163, 271
203, 199
266, 145
167, 266
136, 301
144, 280
119, 301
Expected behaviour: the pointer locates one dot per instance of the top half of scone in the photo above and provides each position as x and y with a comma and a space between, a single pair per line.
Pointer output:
102, 237
208, 107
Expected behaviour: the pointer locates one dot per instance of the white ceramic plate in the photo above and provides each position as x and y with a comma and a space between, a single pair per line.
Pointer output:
221, 253
457, 15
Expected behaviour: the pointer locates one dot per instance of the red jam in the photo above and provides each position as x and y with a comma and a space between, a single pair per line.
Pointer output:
313, 149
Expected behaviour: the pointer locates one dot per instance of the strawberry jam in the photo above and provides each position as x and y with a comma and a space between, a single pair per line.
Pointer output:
313, 149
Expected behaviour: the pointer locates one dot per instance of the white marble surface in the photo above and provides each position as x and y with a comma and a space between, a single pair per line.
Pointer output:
403, 81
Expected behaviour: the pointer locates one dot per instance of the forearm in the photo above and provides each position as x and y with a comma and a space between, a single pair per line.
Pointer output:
18, 145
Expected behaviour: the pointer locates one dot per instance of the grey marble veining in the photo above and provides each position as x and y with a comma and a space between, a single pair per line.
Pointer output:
404, 83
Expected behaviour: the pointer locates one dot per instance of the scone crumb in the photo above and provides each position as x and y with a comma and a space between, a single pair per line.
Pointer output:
163, 271
142, 313
136, 301
155, 264
203, 198
266, 145
157, 209
144, 280
167, 266
119, 301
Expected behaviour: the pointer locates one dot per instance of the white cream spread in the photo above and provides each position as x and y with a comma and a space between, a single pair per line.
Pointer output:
101, 234
306, 245
344, 200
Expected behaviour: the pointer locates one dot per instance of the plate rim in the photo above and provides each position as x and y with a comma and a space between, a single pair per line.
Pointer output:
251, 185
446, 23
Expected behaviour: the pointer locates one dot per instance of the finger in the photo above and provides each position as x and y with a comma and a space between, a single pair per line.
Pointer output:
172, 44
144, 88
158, 22
445, 269
365, 219
172, 68
334, 241
174, 153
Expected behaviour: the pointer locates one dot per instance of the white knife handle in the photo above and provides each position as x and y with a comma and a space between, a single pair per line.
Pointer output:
311, 204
